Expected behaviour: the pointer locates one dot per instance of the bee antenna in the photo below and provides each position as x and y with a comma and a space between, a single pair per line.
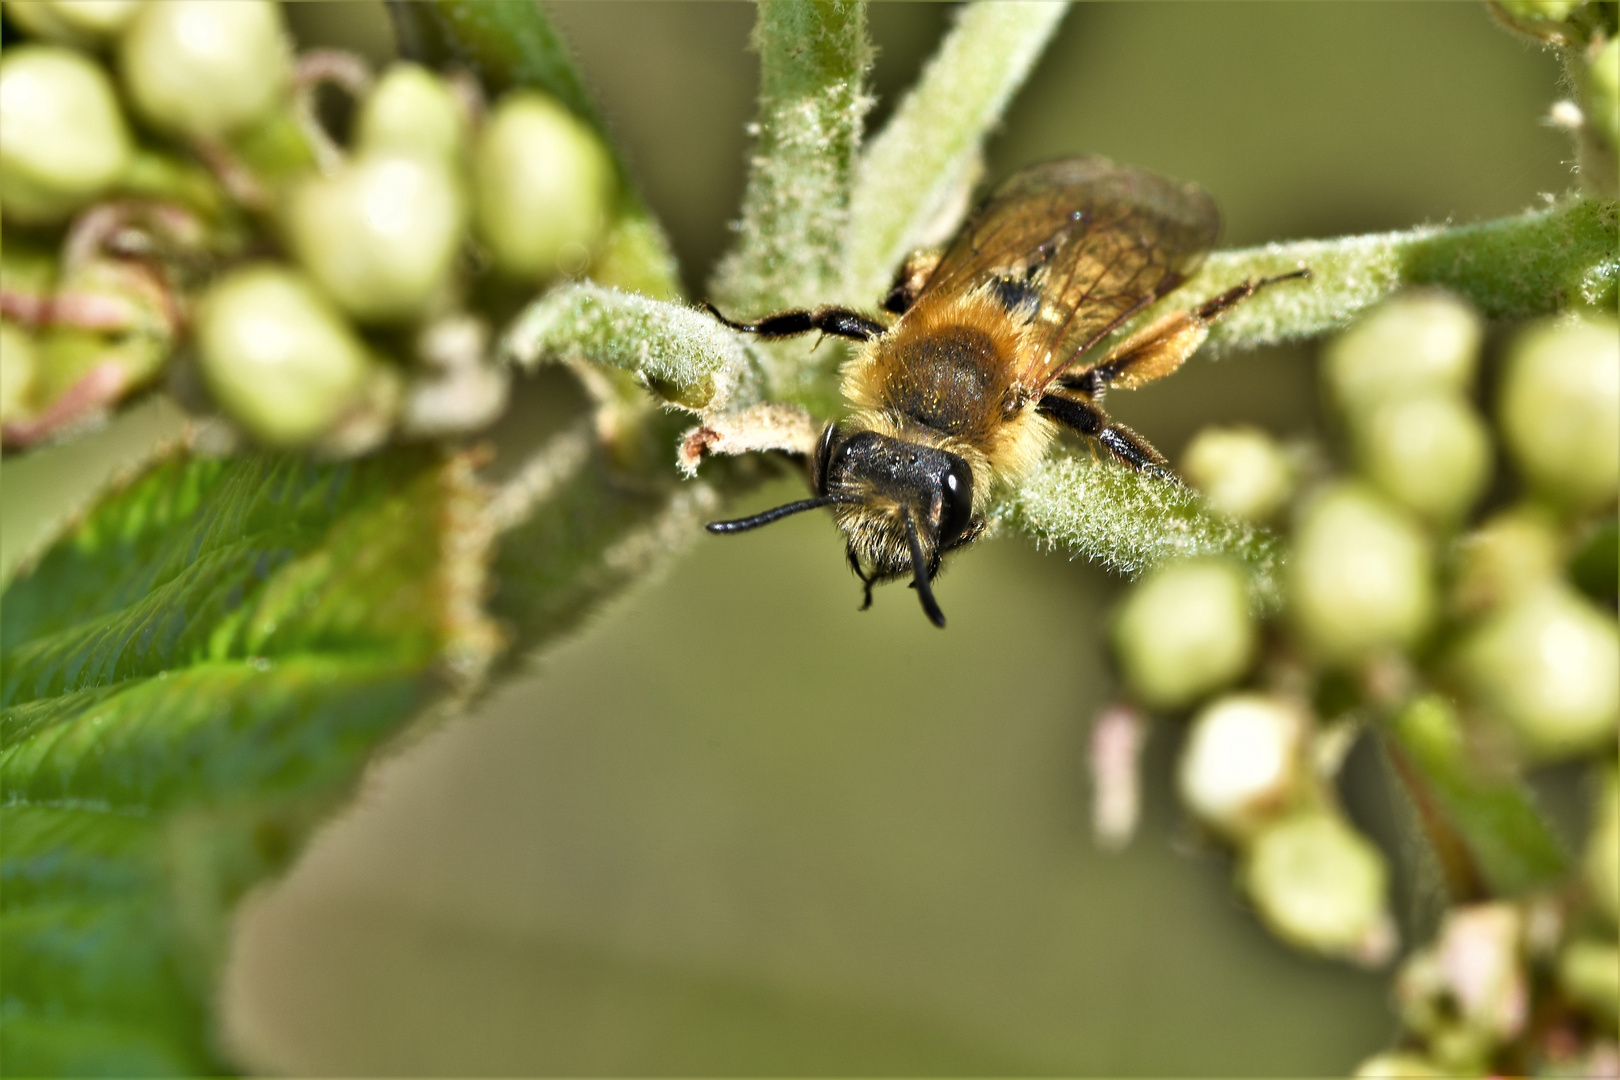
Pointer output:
919, 572
774, 514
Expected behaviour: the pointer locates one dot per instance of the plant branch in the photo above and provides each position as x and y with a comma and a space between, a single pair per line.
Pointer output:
683, 356
795, 212
919, 171
1129, 521
1511, 268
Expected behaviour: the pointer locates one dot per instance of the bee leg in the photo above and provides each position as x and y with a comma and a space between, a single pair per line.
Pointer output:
1160, 348
839, 322
866, 582
1087, 418
910, 279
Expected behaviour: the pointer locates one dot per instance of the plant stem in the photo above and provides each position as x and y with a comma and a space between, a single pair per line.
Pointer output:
1129, 521
920, 169
1511, 268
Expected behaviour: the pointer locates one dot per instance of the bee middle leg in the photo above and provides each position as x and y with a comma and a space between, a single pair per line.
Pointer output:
1160, 348
1078, 411
839, 322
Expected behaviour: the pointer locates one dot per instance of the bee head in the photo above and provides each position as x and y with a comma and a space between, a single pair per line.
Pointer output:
902, 505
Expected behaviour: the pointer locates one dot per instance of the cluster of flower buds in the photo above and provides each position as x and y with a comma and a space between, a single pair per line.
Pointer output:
1584, 34
1397, 589
169, 192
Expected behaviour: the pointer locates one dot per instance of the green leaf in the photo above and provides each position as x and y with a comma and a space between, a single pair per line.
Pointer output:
512, 44
1484, 828
190, 677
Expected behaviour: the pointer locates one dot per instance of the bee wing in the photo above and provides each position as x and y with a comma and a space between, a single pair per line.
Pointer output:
1074, 248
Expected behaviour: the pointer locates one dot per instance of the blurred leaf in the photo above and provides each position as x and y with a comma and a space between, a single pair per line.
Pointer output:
512, 44
1486, 832
191, 677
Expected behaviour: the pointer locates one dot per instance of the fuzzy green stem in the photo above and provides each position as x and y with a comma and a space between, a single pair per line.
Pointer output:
795, 213
681, 355
1511, 268
1130, 521
920, 168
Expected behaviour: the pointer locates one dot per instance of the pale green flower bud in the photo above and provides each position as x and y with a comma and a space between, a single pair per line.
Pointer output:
380, 234
1185, 631
1241, 471
1601, 865
1589, 973
1552, 10
1603, 91
1360, 575
544, 186
1549, 664
1416, 343
412, 110
17, 363
65, 141
1243, 762
1560, 408
204, 68
1431, 453
1320, 885
82, 23
1400, 1065
1467, 990
277, 356
1515, 552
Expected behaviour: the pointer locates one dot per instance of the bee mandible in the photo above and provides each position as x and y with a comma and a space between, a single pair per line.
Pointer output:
996, 345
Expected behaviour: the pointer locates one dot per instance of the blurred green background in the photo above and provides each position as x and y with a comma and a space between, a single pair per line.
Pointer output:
736, 826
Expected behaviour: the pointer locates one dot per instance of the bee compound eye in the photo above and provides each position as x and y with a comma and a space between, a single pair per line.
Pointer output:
956, 489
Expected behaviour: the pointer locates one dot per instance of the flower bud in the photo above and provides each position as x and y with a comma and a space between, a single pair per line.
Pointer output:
1360, 575
1399, 1065
65, 139
1243, 762
1515, 552
1419, 342
1560, 408
1467, 991
1185, 631
205, 69
1549, 664
1601, 865
17, 365
544, 186
85, 24
380, 234
1242, 471
280, 360
411, 110
1431, 453
1319, 884
1589, 974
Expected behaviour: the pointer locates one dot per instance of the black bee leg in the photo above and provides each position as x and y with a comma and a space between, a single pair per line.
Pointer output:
1087, 418
866, 582
910, 279
839, 322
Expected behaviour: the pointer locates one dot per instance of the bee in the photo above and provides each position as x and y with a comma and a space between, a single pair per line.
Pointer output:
998, 343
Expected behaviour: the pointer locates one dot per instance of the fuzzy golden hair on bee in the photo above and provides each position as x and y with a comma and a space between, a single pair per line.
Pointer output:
1000, 341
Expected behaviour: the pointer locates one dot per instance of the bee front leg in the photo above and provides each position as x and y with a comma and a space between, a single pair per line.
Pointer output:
1085, 416
763, 427
839, 322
